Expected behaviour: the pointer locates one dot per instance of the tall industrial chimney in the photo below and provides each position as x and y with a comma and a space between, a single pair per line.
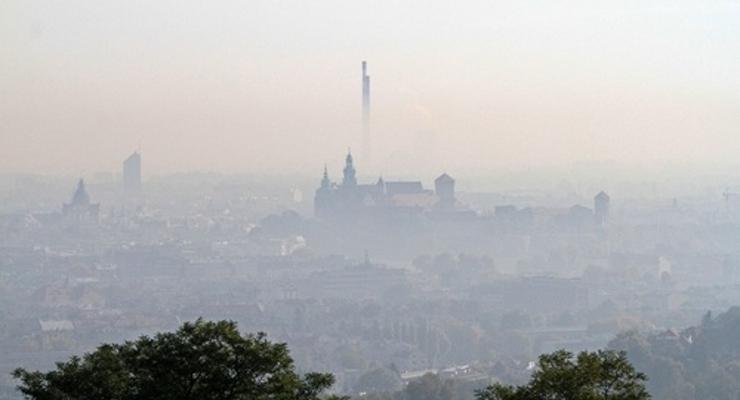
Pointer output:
365, 113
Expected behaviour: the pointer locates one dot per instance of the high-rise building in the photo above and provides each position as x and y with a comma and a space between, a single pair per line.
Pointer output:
132, 173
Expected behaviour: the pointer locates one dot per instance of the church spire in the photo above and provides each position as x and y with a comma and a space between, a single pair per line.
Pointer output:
349, 171
325, 182
81, 197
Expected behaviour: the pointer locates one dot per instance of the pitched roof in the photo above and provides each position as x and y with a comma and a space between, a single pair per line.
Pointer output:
444, 178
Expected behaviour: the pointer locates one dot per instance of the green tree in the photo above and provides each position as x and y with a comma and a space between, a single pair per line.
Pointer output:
601, 375
201, 360
429, 387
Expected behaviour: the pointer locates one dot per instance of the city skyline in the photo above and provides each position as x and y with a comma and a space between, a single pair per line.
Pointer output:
345, 200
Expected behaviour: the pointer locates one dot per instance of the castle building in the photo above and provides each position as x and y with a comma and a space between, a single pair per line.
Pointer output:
444, 187
350, 198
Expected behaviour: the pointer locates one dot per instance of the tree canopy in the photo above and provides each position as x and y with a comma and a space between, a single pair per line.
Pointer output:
600, 375
201, 360
700, 362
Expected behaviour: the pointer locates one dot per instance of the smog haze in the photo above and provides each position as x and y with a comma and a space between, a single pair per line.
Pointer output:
274, 86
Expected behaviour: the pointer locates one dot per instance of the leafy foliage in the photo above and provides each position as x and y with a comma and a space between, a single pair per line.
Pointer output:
201, 360
699, 363
427, 387
430, 387
601, 375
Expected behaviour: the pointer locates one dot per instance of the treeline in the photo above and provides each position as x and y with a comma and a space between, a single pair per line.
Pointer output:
600, 375
428, 387
701, 362
202, 360
214, 361
698, 363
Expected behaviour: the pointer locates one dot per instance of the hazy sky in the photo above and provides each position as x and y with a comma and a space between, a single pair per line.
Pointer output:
254, 86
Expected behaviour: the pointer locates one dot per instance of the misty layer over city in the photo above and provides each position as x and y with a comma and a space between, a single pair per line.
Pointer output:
386, 201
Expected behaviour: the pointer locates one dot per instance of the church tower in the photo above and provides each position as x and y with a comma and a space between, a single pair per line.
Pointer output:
444, 188
325, 182
349, 179
322, 201
80, 208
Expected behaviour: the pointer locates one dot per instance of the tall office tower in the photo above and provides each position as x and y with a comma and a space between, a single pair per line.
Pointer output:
132, 174
365, 112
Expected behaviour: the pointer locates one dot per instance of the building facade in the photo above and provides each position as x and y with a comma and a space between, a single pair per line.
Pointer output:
350, 198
